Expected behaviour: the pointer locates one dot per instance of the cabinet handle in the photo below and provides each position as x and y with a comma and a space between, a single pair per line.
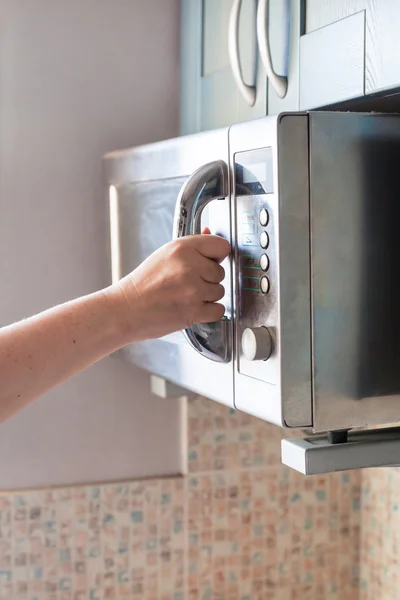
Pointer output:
248, 91
278, 82
208, 183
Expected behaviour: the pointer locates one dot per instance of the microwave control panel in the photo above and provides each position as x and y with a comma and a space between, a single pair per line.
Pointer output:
256, 268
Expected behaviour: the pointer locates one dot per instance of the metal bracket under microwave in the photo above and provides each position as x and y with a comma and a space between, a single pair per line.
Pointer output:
363, 449
166, 389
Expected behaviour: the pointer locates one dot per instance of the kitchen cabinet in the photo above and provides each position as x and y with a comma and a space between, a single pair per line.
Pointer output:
382, 46
327, 52
366, 28
282, 30
332, 52
322, 13
227, 49
232, 85
211, 95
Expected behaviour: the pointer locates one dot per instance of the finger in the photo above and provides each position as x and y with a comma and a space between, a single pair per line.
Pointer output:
211, 246
210, 271
213, 292
210, 313
206, 231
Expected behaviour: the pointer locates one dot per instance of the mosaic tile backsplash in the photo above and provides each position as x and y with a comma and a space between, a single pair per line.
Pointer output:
240, 526
380, 537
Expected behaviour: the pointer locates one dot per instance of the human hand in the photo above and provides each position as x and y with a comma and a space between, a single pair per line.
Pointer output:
177, 286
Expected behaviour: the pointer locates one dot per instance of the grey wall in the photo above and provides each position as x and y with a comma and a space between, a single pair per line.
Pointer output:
78, 78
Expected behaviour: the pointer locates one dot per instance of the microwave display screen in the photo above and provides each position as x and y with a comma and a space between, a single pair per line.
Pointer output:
254, 172
258, 172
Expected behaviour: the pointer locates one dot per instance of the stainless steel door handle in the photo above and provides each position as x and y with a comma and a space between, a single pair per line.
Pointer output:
278, 82
208, 183
248, 91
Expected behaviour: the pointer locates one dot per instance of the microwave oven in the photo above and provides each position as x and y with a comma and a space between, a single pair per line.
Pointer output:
310, 339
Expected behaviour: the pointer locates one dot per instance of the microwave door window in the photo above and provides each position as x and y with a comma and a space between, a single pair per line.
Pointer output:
145, 214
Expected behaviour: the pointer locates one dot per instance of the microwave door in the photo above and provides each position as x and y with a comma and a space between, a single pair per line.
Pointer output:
144, 185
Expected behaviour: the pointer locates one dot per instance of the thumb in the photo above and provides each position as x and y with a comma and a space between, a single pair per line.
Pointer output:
206, 231
211, 246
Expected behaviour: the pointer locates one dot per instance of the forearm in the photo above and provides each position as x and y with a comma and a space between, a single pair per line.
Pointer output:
40, 352
175, 287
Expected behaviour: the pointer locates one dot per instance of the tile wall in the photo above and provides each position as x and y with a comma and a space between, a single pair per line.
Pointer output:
239, 527
380, 537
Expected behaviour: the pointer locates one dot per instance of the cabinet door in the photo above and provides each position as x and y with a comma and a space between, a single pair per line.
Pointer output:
221, 102
382, 69
210, 97
321, 13
283, 37
332, 52
218, 91
382, 48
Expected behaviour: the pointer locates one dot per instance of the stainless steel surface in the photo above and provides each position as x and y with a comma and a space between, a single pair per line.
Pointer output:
165, 389
277, 390
147, 181
364, 449
247, 91
294, 269
256, 343
176, 157
209, 182
278, 82
355, 211
253, 307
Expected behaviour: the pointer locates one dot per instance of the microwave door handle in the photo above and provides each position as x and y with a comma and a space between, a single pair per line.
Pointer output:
278, 82
208, 183
248, 91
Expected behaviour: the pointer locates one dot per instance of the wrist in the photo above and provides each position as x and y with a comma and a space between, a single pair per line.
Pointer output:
121, 311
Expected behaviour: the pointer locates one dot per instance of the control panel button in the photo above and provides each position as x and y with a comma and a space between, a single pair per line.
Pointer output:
256, 343
264, 239
264, 285
264, 262
264, 217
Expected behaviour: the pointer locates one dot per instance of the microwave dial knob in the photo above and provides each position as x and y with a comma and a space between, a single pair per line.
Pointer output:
256, 343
